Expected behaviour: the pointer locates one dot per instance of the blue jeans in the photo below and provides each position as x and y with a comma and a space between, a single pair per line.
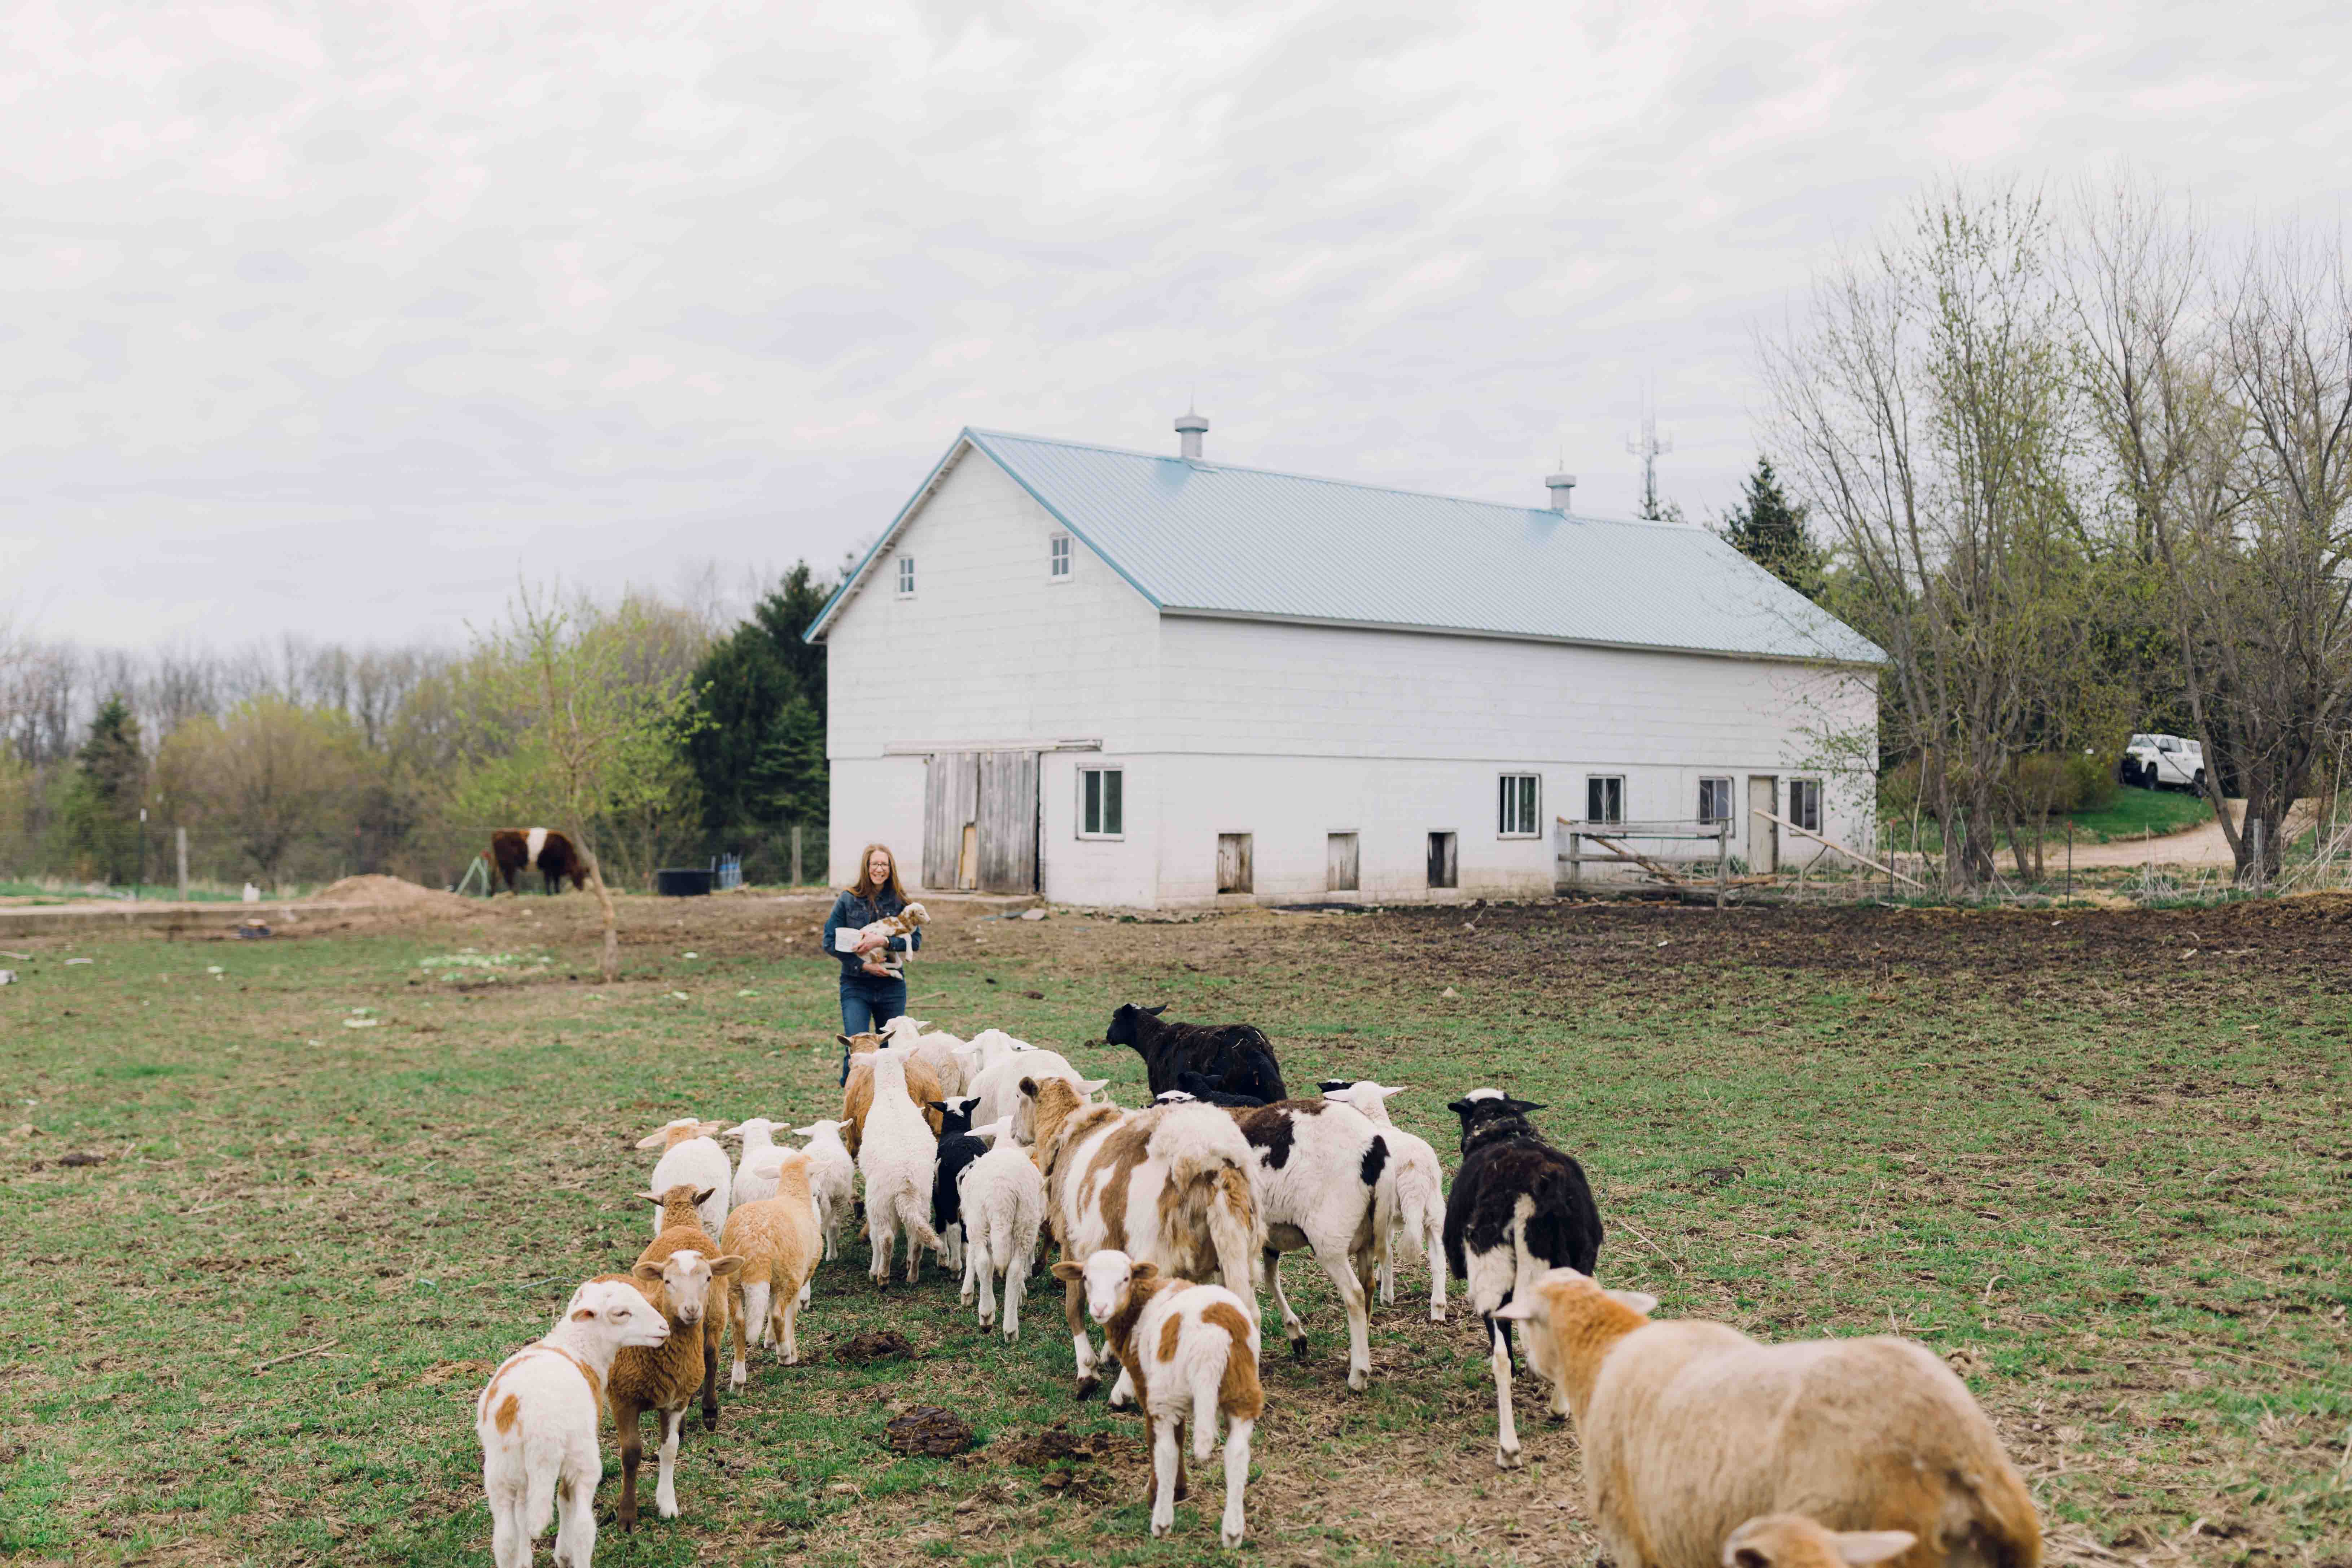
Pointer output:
867, 1001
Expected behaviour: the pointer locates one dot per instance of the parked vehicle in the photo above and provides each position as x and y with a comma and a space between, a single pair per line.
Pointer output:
2164, 762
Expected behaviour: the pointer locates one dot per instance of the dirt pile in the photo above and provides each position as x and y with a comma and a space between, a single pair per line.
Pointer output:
394, 897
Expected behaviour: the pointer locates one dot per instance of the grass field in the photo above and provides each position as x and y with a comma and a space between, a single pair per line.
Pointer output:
2103, 1161
2135, 811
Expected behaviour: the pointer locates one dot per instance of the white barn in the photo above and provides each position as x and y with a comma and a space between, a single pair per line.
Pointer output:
1137, 680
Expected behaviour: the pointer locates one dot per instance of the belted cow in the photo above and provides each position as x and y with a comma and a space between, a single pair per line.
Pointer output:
514, 849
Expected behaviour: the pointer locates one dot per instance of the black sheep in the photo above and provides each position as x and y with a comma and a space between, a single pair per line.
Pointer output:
1208, 1093
1236, 1057
958, 1148
1506, 1163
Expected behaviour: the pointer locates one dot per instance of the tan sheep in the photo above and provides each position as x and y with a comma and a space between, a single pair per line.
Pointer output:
676, 1272
779, 1242
1692, 1430
857, 1091
1792, 1540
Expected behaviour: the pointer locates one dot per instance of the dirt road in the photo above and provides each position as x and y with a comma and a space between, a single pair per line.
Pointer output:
2204, 845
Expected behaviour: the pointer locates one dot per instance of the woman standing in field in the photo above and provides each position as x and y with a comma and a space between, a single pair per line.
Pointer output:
870, 995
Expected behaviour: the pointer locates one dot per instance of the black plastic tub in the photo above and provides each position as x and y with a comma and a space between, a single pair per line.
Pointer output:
684, 882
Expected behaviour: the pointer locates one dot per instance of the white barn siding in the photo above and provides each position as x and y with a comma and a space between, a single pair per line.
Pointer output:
990, 648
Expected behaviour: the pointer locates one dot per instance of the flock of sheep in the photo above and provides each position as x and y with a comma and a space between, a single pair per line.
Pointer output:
1701, 1448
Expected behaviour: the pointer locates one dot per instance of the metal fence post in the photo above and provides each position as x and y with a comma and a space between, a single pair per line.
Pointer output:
180, 838
796, 854
2259, 864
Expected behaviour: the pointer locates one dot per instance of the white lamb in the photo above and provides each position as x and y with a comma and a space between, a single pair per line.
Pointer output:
940, 1051
831, 1174
537, 1422
755, 1168
1003, 1202
997, 1090
896, 1157
987, 1048
690, 1153
1419, 1190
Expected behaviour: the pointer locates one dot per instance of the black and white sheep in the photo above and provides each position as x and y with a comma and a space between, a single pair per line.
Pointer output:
1320, 1165
1237, 1059
1519, 1208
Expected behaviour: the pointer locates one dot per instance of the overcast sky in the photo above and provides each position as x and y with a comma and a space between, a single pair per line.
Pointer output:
324, 320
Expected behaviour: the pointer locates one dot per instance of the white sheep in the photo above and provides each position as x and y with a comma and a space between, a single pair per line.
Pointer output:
1691, 1430
997, 1090
537, 1422
1420, 1182
987, 1048
896, 1157
1192, 1350
831, 1174
1318, 1174
755, 1170
939, 1050
690, 1153
1003, 1202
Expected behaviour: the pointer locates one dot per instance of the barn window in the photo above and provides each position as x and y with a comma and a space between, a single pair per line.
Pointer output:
1715, 800
1604, 798
1515, 816
1057, 557
1102, 812
1805, 804
906, 576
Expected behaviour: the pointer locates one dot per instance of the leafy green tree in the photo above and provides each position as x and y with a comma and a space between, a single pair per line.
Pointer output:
1769, 529
102, 802
282, 783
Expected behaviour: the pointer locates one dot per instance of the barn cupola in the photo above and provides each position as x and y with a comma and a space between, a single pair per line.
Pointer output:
1190, 427
1561, 485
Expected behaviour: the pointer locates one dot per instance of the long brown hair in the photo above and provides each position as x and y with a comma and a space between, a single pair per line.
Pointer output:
864, 887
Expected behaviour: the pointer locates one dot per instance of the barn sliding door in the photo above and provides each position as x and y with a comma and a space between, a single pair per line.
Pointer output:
1008, 822
951, 806
980, 821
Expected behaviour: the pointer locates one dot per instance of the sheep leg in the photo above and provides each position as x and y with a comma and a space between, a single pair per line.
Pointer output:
1073, 1308
751, 1317
1237, 1463
880, 1233
626, 1416
1294, 1331
711, 1337
575, 1518
665, 1488
1184, 1484
975, 1261
1432, 1252
1350, 1286
1166, 1456
509, 1530
1122, 1389
1017, 1285
1387, 1269
1507, 1433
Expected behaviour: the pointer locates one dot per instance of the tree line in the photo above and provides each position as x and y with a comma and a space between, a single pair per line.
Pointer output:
660, 733
2081, 469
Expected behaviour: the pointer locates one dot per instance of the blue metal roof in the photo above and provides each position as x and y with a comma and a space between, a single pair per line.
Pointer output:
1214, 538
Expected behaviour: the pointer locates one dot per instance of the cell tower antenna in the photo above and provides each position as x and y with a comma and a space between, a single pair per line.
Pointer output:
1649, 446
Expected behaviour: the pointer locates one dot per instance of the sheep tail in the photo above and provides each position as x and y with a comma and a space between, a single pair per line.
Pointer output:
915, 1219
1235, 1231
751, 1301
1204, 1404
1385, 1196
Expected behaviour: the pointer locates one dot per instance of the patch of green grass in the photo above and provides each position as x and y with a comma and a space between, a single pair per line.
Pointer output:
2136, 1239
2135, 811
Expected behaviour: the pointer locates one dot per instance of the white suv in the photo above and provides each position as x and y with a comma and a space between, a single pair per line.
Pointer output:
2164, 762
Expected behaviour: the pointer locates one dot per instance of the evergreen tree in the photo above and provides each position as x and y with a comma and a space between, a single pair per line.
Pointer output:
102, 804
759, 756
1769, 529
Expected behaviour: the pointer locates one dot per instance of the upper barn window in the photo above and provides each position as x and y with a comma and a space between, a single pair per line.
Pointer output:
1058, 559
906, 576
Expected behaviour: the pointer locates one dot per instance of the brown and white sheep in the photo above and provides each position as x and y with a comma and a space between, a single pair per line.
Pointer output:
1691, 1429
676, 1271
857, 1090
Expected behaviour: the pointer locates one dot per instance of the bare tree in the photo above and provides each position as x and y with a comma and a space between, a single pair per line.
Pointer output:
2225, 409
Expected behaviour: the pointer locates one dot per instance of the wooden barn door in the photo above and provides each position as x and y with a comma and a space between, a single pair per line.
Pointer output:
951, 807
1008, 822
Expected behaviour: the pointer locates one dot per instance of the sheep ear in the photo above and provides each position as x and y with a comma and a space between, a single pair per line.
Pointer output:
938, 1105
653, 1140
1091, 1086
1068, 1273
722, 1267
1143, 1271
735, 1132
708, 1129
1524, 1106
1459, 1107
1029, 1088
650, 1273
844, 1039
1387, 1089
654, 1198
584, 1315
1155, 1012
1644, 1303
1336, 1085
705, 1196
1858, 1547
1746, 1557
1519, 1312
